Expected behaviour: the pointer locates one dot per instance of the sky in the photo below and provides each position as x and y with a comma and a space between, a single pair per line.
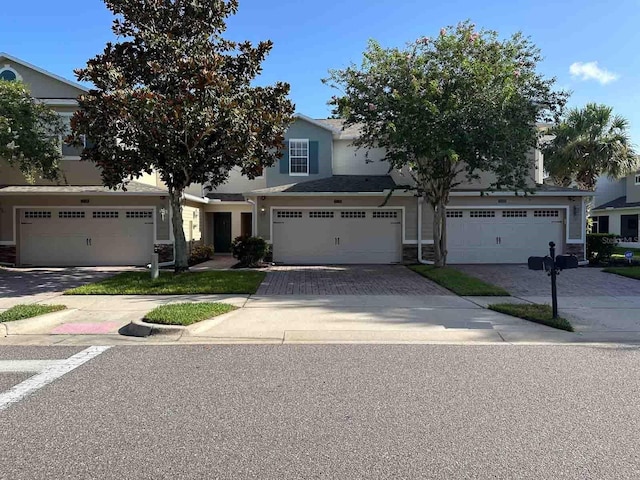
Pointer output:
590, 46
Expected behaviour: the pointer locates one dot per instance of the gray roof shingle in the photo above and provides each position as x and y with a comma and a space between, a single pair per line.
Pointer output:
336, 184
620, 202
132, 187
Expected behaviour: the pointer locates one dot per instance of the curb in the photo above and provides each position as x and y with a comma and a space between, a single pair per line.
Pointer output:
26, 325
140, 328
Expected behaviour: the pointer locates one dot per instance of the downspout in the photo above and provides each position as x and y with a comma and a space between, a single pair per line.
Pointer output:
420, 259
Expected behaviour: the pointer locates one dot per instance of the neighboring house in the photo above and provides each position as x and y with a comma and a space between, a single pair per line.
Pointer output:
323, 202
618, 208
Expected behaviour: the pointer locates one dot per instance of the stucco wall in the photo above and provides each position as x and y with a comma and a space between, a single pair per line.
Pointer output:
347, 160
40, 85
607, 190
237, 183
8, 202
73, 172
192, 222
633, 190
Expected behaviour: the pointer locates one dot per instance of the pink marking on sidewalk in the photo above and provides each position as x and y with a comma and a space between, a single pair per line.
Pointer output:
86, 328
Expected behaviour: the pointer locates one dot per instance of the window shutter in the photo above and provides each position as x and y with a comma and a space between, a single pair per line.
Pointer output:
284, 161
314, 168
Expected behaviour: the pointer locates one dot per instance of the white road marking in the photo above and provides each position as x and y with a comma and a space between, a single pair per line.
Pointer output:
10, 366
48, 375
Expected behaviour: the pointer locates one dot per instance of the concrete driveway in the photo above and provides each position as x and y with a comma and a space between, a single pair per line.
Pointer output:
600, 305
32, 285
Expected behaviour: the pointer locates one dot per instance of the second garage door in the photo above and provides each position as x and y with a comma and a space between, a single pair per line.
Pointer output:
337, 236
502, 236
77, 237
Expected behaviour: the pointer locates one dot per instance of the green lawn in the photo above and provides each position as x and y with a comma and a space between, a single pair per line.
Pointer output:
458, 282
186, 313
631, 272
20, 312
622, 250
189, 283
535, 313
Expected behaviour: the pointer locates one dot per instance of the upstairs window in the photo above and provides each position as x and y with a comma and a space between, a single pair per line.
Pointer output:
299, 157
638, 179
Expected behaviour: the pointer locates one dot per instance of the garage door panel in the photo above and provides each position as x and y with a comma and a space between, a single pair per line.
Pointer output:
86, 237
504, 236
337, 236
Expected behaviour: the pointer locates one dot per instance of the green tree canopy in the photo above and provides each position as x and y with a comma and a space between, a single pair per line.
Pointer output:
589, 142
448, 108
29, 133
173, 95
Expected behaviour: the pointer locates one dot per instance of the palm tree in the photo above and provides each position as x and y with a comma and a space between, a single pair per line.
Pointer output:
589, 142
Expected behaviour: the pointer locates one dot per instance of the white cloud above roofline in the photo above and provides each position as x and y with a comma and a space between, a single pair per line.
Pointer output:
591, 71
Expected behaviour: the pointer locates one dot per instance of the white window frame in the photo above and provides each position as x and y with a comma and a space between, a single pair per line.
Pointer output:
637, 178
298, 174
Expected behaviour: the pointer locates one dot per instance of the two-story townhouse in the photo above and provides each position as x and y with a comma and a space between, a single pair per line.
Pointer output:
617, 208
76, 221
323, 202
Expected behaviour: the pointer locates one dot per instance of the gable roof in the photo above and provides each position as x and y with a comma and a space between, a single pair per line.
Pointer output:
43, 72
317, 123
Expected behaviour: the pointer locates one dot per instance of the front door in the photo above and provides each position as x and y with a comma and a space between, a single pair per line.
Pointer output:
222, 232
629, 228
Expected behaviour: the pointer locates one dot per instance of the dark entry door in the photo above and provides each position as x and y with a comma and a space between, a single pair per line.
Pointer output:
629, 228
222, 232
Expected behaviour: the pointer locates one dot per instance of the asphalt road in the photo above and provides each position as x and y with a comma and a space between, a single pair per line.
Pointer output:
344, 412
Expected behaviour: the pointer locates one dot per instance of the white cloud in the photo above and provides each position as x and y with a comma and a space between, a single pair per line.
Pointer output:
591, 71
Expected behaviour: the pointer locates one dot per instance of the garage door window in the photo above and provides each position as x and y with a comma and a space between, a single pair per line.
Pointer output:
546, 213
106, 214
320, 214
385, 214
37, 214
454, 214
139, 214
514, 213
288, 214
353, 214
69, 214
482, 213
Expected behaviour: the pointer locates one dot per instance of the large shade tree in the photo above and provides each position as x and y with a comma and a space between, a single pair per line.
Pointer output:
173, 95
30, 133
589, 142
448, 108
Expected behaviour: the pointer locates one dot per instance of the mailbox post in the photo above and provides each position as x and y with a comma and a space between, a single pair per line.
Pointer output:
554, 275
553, 265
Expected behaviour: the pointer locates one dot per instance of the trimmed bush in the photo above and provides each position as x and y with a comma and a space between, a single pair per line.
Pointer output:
600, 247
250, 251
200, 253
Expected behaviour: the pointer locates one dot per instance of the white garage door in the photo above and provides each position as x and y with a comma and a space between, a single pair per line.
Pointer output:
337, 236
76, 237
502, 236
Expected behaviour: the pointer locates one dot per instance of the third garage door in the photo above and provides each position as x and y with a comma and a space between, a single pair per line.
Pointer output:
330, 236
502, 236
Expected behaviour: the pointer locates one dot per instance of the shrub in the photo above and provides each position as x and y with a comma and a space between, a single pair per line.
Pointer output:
250, 251
200, 253
600, 246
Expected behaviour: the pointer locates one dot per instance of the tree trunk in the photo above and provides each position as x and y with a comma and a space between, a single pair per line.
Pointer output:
439, 234
180, 243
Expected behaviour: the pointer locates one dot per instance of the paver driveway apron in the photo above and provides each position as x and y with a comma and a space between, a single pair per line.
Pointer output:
360, 303
601, 306
347, 280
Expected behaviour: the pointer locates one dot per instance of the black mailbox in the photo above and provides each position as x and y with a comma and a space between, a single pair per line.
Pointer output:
548, 264
564, 262
536, 263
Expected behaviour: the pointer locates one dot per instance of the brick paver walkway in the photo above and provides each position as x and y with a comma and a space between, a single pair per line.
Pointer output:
347, 280
581, 282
